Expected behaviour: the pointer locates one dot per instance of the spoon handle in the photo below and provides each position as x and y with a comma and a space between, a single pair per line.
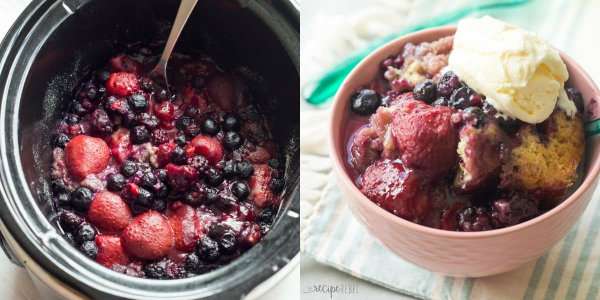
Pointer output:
183, 13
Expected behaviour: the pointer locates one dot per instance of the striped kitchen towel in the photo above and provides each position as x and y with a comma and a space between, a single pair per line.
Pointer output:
570, 270
329, 232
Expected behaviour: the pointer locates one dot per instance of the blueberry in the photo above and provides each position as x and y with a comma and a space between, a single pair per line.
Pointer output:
210, 127
180, 140
193, 198
159, 205
267, 215
192, 130
63, 199
214, 177
102, 76
460, 97
425, 91
138, 102
245, 169
207, 249
178, 156
447, 84
230, 169
155, 271
71, 119
232, 140
148, 179
61, 140
70, 239
92, 93
183, 122
509, 125
240, 190
129, 168
192, 263
191, 112
277, 184
69, 220
81, 198
140, 135
89, 249
144, 197
58, 186
85, 233
231, 122
228, 242
365, 102
211, 197
115, 182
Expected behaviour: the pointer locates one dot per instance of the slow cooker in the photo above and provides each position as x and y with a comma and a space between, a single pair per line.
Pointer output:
50, 48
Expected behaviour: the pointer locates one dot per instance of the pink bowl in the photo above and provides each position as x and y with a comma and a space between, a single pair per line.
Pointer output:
463, 254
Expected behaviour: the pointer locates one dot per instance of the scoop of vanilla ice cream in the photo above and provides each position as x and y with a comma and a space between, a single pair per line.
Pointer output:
520, 74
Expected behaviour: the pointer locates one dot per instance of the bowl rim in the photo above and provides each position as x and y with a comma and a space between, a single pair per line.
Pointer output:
338, 161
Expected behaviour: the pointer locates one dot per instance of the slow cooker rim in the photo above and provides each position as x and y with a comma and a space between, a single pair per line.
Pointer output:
8, 190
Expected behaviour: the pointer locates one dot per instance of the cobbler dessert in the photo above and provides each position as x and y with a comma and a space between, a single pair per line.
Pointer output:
471, 132
165, 183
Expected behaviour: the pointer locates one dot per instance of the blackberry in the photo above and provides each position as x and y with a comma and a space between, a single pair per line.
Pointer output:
148, 179
192, 263
148, 120
138, 102
365, 102
460, 97
425, 91
159, 204
207, 249
81, 198
161, 174
101, 122
140, 135
144, 197
199, 162
155, 271
180, 140
474, 219
69, 220
159, 136
447, 84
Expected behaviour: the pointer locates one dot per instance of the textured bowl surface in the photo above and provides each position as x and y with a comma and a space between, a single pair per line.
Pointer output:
470, 254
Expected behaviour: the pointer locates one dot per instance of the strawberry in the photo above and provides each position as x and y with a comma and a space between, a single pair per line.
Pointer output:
222, 90
124, 63
207, 146
110, 251
122, 84
186, 226
86, 155
259, 156
120, 145
163, 154
396, 188
148, 236
181, 177
259, 186
109, 212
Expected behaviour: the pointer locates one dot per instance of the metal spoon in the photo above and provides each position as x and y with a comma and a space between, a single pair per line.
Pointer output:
183, 13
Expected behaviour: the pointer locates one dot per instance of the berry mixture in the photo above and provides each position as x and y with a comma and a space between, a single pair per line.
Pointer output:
164, 183
426, 147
